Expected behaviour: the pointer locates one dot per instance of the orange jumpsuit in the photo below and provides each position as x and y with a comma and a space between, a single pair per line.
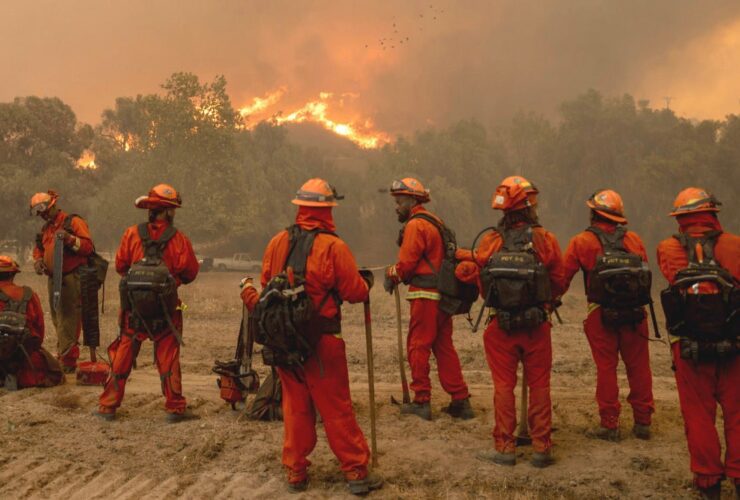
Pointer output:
323, 383
701, 386
430, 330
180, 259
607, 343
68, 322
504, 348
42, 370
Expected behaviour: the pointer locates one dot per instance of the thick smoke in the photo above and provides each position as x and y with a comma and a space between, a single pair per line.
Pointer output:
413, 63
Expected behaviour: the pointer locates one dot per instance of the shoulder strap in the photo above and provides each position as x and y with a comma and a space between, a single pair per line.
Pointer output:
610, 242
517, 239
17, 306
155, 248
707, 241
67, 224
301, 242
440, 227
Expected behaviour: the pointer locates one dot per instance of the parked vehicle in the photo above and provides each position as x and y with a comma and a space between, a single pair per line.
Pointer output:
242, 262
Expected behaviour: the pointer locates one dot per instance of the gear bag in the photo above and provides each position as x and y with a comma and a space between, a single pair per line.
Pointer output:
268, 404
148, 291
516, 282
285, 314
456, 297
620, 281
702, 316
13, 324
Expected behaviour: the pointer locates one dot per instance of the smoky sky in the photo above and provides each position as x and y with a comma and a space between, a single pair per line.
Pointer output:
411, 63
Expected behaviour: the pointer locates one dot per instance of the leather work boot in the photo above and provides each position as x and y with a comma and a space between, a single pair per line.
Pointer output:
460, 408
421, 410
508, 459
106, 417
641, 431
298, 487
714, 492
360, 487
542, 460
603, 433
176, 418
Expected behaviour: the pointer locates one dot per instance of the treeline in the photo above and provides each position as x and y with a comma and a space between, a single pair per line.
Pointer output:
237, 181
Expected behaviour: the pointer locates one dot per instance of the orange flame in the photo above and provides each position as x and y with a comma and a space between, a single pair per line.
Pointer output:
360, 131
87, 161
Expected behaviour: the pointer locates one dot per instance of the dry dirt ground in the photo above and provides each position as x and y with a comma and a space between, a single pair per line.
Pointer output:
51, 446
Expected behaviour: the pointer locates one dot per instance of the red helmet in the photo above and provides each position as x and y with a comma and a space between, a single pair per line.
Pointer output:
409, 186
694, 199
160, 196
316, 193
608, 204
42, 202
514, 193
8, 265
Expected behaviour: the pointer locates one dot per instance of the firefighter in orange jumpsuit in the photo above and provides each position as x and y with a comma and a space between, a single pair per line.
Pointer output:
704, 383
180, 260
78, 246
29, 365
607, 342
430, 330
517, 197
322, 384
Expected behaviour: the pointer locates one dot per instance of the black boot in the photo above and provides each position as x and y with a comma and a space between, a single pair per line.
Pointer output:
421, 410
713, 492
298, 487
498, 457
542, 460
364, 486
460, 408
603, 433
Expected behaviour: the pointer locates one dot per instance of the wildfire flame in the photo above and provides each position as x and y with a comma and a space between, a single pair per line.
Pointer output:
360, 131
87, 161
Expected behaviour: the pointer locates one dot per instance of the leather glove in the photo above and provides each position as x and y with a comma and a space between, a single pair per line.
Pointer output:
247, 282
39, 267
70, 240
388, 285
368, 277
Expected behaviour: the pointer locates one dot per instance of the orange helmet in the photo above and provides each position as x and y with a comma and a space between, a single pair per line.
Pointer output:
514, 193
42, 202
410, 187
160, 196
608, 204
8, 265
316, 193
692, 200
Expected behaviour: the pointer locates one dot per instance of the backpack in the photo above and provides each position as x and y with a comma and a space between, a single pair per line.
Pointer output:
456, 297
148, 291
286, 317
13, 323
620, 281
516, 282
706, 317
268, 403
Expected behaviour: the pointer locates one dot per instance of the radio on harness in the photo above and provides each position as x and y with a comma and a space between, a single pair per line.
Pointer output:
516, 282
456, 297
286, 317
702, 304
148, 291
620, 281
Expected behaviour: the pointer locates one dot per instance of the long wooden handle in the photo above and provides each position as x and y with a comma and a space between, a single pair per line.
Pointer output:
371, 381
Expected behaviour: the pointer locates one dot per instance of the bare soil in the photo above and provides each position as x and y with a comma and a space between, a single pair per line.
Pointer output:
51, 446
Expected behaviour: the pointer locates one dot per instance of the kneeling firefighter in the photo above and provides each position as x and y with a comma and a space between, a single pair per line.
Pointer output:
702, 309
307, 271
154, 259
617, 284
424, 242
519, 269
23, 362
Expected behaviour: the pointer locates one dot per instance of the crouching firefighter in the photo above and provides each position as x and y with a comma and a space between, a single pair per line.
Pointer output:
617, 284
307, 271
520, 272
426, 262
63, 248
23, 362
702, 265
154, 259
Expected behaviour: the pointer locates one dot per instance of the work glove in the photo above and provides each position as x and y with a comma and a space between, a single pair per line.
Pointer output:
369, 278
391, 279
39, 267
70, 240
247, 282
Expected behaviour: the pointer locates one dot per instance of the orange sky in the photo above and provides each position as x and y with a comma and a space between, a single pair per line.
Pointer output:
476, 58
